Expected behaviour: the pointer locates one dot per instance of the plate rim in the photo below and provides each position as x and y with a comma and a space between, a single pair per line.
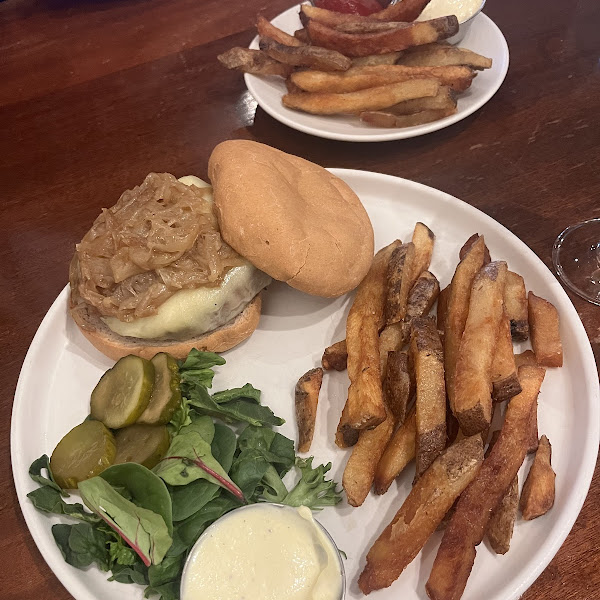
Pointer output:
540, 560
395, 134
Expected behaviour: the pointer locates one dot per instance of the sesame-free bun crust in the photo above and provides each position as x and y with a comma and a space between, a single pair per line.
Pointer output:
291, 218
116, 346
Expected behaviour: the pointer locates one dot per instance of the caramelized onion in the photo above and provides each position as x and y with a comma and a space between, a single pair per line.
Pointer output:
160, 237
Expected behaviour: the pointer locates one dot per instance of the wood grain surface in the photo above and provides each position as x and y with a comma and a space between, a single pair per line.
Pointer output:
94, 94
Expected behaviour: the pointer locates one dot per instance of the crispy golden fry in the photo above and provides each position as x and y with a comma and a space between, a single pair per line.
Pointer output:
405, 11
335, 357
457, 308
423, 239
302, 35
397, 385
437, 55
368, 26
306, 401
467, 246
268, 30
345, 436
504, 377
364, 44
365, 407
428, 360
291, 87
400, 282
545, 331
305, 56
383, 119
445, 99
442, 311
421, 513
253, 61
360, 78
466, 529
392, 338
472, 400
422, 295
360, 468
537, 497
398, 453
376, 59
532, 436
355, 102
526, 358
500, 527
515, 304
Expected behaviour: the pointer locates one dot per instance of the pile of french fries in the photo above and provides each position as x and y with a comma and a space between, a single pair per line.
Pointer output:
387, 68
431, 389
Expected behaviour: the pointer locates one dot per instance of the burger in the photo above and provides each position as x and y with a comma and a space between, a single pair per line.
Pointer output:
178, 264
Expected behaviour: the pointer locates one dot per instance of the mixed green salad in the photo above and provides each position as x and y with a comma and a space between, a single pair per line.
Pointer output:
221, 452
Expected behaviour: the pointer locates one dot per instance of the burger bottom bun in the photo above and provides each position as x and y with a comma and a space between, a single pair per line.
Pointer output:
116, 346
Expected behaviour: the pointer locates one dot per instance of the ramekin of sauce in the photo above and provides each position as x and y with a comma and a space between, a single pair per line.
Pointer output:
267, 552
465, 11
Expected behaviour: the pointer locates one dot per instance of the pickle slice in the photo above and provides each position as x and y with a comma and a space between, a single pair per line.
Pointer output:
166, 395
123, 392
84, 452
142, 444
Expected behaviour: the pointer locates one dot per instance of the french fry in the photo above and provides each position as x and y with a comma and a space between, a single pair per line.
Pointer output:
545, 331
360, 78
267, 29
376, 59
504, 377
500, 527
360, 469
442, 311
365, 407
345, 437
397, 385
428, 360
255, 62
383, 119
437, 55
515, 304
405, 11
467, 526
467, 246
305, 56
526, 358
397, 454
302, 36
392, 338
327, 17
374, 98
400, 281
421, 513
445, 99
537, 497
457, 308
335, 357
364, 44
423, 239
422, 295
306, 401
472, 400
368, 26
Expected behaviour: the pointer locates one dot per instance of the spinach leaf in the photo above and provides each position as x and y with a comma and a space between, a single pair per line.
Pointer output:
190, 498
35, 472
144, 530
275, 448
181, 417
196, 369
169, 570
82, 544
313, 490
248, 392
223, 445
48, 499
143, 488
167, 591
137, 573
248, 469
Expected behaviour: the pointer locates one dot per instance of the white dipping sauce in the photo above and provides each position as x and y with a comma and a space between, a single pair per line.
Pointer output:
263, 552
463, 9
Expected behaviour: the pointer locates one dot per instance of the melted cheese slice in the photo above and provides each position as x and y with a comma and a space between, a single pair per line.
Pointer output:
189, 313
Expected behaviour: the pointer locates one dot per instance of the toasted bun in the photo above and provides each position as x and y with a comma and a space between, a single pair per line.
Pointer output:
291, 218
116, 346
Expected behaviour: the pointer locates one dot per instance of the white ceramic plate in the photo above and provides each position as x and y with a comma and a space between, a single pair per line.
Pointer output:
483, 37
61, 369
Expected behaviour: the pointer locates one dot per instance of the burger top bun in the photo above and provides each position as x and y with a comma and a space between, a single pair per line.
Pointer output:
291, 218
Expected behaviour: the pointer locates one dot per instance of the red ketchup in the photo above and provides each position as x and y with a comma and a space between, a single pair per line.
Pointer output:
357, 7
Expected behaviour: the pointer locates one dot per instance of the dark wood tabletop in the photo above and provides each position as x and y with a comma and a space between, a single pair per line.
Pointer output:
94, 94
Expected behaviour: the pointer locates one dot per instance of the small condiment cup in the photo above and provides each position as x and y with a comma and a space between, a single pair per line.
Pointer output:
464, 27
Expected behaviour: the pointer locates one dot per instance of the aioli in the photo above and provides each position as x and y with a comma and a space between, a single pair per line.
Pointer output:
463, 9
265, 552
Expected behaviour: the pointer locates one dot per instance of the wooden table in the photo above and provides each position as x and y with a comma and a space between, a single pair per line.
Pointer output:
96, 93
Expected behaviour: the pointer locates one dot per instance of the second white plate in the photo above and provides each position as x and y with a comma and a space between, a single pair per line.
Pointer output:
483, 37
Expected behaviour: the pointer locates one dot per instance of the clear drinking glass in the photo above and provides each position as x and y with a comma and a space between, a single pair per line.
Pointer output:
576, 258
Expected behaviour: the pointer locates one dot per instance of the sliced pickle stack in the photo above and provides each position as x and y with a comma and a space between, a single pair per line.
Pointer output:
142, 444
166, 395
